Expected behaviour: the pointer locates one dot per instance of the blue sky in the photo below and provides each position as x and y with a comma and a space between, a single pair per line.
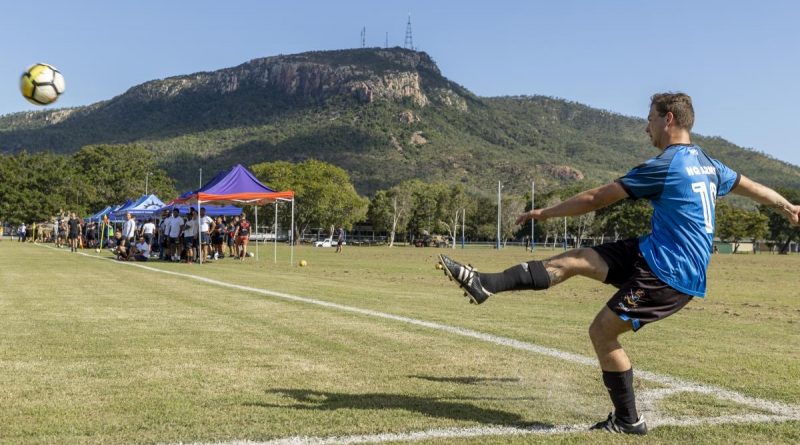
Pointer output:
739, 60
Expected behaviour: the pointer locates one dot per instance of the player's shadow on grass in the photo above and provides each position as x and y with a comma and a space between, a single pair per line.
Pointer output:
466, 380
450, 408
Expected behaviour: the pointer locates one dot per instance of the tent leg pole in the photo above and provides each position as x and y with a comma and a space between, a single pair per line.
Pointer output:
256, 232
291, 237
198, 234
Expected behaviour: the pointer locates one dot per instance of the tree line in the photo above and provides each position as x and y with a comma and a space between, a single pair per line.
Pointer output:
36, 187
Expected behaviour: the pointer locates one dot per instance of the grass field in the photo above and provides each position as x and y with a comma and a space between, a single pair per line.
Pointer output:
375, 343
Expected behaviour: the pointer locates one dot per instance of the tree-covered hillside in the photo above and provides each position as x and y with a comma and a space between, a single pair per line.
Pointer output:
384, 115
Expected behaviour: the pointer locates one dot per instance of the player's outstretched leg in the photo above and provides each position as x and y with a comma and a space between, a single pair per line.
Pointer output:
467, 278
478, 287
532, 275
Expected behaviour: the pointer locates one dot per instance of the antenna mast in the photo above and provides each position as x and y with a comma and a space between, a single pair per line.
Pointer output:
409, 43
364, 37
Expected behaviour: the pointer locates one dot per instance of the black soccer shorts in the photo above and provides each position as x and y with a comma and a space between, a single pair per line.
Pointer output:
642, 297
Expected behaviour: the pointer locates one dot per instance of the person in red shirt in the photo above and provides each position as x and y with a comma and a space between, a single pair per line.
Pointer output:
242, 236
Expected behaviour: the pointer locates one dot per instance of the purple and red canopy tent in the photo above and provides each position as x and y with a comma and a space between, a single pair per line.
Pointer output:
239, 186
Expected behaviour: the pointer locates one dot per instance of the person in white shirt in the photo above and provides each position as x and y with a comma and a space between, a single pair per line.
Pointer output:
129, 230
190, 235
141, 250
148, 232
174, 227
206, 226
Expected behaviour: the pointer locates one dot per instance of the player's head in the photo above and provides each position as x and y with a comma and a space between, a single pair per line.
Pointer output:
669, 112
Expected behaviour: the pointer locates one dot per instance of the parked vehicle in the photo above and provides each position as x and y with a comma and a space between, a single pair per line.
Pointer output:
431, 241
328, 242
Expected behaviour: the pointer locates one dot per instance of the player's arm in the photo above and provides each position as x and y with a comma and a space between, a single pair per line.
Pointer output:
768, 197
580, 204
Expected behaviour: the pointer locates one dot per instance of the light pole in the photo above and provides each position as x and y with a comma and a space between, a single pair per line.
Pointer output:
533, 206
146, 177
499, 187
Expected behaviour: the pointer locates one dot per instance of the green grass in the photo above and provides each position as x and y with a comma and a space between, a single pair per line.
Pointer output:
93, 351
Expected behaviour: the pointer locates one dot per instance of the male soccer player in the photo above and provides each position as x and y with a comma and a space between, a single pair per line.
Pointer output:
657, 274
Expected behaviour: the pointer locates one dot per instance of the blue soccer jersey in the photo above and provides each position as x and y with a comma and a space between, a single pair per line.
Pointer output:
683, 184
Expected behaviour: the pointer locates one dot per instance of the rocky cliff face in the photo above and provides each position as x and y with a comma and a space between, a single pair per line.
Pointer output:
367, 75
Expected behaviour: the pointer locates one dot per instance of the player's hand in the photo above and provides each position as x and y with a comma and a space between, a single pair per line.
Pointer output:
794, 216
532, 214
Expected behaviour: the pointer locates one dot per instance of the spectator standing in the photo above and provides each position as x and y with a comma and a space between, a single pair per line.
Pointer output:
190, 237
162, 237
231, 236
74, 226
218, 235
206, 226
149, 232
129, 230
174, 227
339, 240
242, 236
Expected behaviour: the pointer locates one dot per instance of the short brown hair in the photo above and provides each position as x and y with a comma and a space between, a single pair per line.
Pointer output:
679, 104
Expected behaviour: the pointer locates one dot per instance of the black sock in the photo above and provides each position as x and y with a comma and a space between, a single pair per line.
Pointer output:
530, 275
620, 388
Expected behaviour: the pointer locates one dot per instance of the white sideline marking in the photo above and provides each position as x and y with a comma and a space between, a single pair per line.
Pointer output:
778, 411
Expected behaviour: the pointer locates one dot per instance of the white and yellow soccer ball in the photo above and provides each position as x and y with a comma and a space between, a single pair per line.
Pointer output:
41, 84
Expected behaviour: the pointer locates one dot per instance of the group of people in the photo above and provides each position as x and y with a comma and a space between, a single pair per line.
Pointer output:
177, 239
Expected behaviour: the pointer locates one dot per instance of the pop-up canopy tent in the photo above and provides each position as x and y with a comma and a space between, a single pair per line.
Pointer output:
239, 186
99, 215
211, 210
114, 209
142, 207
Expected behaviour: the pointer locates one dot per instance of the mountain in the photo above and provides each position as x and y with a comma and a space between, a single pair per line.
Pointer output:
384, 115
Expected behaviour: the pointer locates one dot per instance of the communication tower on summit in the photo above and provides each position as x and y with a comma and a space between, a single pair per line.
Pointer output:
364, 37
409, 43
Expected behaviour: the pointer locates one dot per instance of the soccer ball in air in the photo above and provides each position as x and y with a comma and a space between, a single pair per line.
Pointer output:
41, 84
303, 263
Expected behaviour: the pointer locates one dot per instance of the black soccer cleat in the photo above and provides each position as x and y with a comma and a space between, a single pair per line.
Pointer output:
467, 278
614, 425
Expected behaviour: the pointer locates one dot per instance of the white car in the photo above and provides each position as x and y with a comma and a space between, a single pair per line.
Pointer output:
327, 242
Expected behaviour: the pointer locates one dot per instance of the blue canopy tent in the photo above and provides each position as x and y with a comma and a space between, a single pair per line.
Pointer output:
114, 209
99, 215
142, 208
